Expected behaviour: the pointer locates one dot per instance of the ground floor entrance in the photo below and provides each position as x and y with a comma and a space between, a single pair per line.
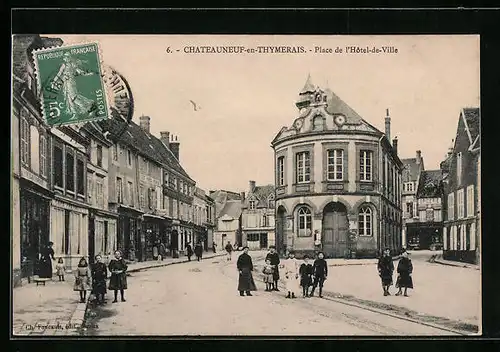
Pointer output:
335, 231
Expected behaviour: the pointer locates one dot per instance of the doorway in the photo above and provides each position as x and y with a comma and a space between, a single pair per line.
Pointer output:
335, 230
263, 241
91, 240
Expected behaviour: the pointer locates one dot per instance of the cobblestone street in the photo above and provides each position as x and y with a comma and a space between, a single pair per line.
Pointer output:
173, 301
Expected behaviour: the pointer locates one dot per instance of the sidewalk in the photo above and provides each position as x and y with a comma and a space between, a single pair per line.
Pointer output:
55, 309
439, 260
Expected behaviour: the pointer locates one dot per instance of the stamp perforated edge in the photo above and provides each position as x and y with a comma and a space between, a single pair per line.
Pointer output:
101, 73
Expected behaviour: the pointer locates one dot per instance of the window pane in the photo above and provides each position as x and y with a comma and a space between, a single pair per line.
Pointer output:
70, 172
80, 176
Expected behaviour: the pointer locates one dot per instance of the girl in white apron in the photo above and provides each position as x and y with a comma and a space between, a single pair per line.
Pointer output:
291, 269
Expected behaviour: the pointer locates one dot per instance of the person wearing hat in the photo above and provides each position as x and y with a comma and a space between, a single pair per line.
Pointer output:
320, 272
45, 264
291, 268
385, 270
245, 268
274, 258
305, 271
405, 269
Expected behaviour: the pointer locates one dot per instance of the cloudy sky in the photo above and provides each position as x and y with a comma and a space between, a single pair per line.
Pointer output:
246, 99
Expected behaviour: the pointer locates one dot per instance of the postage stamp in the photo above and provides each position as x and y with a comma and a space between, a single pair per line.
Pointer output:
71, 84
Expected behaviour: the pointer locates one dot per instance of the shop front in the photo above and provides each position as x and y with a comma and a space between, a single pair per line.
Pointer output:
102, 234
154, 229
69, 230
35, 222
130, 238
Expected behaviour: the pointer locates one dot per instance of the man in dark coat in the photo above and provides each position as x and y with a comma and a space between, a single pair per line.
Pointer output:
405, 269
245, 268
274, 258
385, 270
320, 273
198, 251
189, 251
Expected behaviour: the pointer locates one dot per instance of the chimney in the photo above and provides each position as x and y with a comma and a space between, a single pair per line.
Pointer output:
145, 123
242, 196
252, 186
174, 146
419, 157
395, 145
387, 124
165, 138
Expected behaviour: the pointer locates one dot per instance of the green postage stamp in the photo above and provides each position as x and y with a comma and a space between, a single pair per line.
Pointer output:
71, 84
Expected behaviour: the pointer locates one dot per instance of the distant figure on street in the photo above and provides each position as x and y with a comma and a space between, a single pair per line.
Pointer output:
245, 268
385, 270
189, 251
305, 271
229, 250
163, 251
320, 272
82, 279
275, 262
291, 268
214, 246
268, 272
60, 269
118, 279
99, 275
46, 258
405, 269
198, 251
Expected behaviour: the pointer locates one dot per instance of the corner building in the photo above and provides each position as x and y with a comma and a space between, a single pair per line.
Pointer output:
337, 181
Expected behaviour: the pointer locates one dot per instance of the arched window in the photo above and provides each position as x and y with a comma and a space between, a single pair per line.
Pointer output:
365, 221
304, 222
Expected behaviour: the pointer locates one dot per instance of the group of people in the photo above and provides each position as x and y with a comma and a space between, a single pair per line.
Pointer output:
404, 270
89, 277
198, 251
297, 274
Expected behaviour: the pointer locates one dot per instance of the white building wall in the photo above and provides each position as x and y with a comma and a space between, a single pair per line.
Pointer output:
15, 206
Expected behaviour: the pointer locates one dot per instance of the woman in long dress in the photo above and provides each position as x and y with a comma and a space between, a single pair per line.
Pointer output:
245, 268
76, 103
45, 264
405, 269
385, 270
99, 276
118, 279
291, 269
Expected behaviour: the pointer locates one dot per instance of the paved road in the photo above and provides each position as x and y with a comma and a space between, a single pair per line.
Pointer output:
200, 298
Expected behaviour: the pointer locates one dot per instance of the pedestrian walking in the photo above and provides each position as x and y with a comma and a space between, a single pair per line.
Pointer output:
291, 268
404, 269
305, 272
320, 273
163, 251
268, 272
275, 262
198, 251
189, 251
82, 279
99, 275
45, 264
229, 250
214, 246
245, 268
60, 269
385, 270
118, 279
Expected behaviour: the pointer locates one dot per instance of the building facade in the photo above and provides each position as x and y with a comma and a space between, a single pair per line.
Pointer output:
31, 192
210, 222
461, 201
258, 211
412, 168
103, 223
337, 181
228, 217
199, 217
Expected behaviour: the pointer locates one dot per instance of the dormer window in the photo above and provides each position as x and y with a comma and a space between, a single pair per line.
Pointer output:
251, 205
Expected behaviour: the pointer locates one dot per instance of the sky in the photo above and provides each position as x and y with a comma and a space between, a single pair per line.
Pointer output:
247, 98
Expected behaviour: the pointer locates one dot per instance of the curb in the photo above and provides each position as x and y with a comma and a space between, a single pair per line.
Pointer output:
458, 265
167, 264
372, 263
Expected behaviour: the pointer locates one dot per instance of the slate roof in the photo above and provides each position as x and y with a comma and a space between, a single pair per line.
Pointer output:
145, 144
430, 185
338, 106
23, 44
262, 194
413, 168
232, 208
472, 118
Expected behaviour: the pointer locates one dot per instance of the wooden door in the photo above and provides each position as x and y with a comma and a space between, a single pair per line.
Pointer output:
335, 231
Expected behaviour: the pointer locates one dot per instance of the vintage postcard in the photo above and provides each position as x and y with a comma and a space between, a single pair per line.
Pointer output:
302, 185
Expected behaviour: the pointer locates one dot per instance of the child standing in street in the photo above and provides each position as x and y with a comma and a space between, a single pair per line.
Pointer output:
320, 272
291, 269
305, 272
268, 275
60, 269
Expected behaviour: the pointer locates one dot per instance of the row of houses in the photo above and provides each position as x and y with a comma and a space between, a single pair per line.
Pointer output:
95, 187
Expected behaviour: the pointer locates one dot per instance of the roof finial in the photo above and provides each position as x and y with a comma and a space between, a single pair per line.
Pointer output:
308, 87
